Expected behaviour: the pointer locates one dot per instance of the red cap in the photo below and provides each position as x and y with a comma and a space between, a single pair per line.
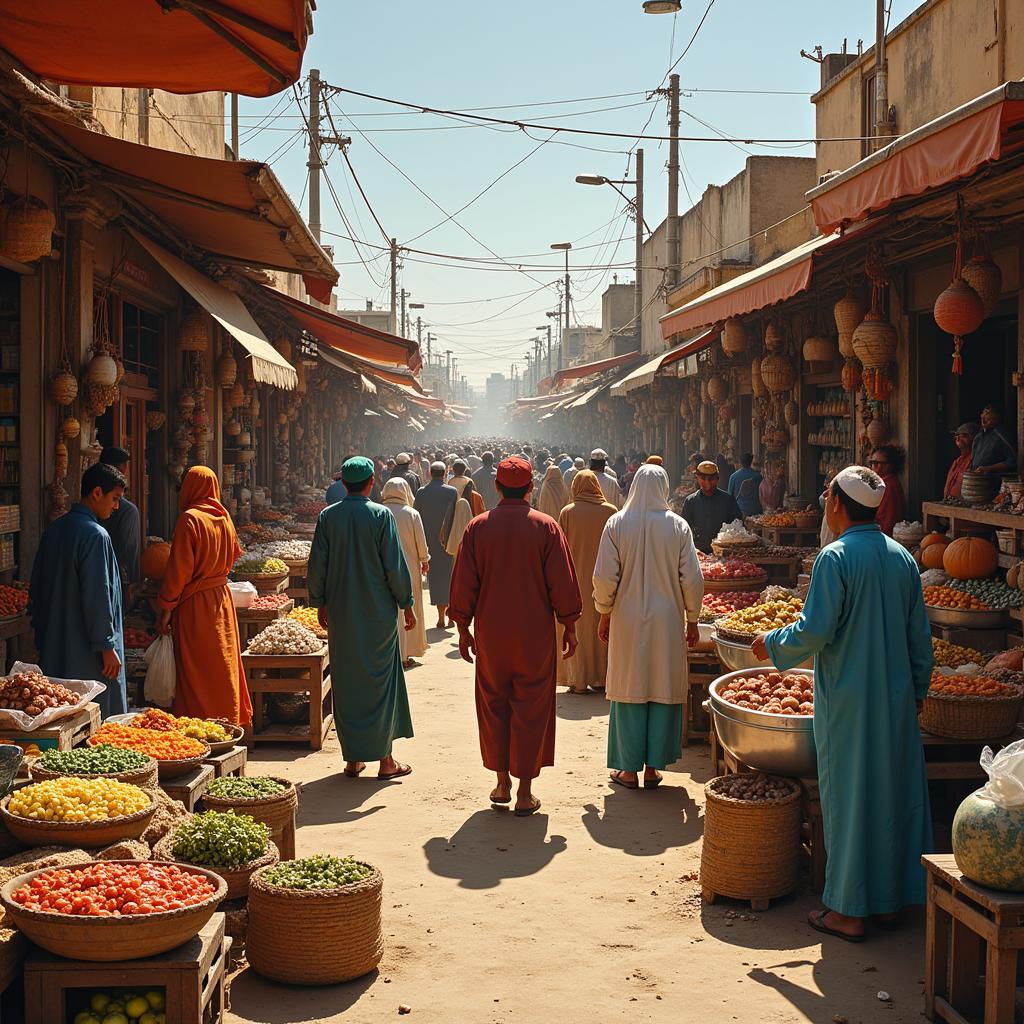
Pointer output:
514, 472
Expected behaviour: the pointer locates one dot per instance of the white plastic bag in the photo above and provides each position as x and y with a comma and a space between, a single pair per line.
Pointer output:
1005, 786
160, 672
242, 594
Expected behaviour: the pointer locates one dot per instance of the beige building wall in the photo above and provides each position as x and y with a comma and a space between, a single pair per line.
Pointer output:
943, 55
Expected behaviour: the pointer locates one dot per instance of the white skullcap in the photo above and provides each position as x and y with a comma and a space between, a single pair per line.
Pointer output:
402, 458
598, 455
852, 483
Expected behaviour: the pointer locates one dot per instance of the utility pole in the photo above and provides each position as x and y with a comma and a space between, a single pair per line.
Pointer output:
565, 329
672, 223
234, 124
638, 291
419, 335
448, 372
314, 163
549, 348
430, 338
394, 286
883, 126
405, 316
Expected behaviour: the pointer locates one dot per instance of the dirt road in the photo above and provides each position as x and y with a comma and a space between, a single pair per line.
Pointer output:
589, 910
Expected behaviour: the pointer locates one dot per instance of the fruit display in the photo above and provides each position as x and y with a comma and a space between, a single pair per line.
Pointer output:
308, 618
947, 597
729, 601
114, 889
308, 511
167, 745
259, 567
788, 520
775, 693
197, 728
13, 601
137, 638
735, 533
970, 558
322, 871
221, 839
34, 693
269, 515
121, 1006
246, 787
78, 799
729, 569
285, 636
969, 686
986, 843
762, 618
949, 655
755, 788
100, 760
992, 592
268, 602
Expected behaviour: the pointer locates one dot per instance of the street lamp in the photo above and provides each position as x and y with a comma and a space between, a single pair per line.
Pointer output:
565, 247
662, 6
638, 209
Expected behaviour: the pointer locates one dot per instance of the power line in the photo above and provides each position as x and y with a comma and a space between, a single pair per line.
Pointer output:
686, 49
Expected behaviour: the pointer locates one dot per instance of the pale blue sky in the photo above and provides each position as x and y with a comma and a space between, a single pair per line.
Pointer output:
457, 54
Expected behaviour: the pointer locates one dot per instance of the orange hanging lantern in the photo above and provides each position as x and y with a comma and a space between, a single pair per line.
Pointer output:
958, 311
851, 375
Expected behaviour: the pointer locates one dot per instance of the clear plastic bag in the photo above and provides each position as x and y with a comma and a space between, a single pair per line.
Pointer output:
88, 689
1005, 786
160, 671
242, 594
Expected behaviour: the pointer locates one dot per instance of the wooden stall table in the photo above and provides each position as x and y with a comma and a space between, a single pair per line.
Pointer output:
193, 978
703, 669
13, 646
254, 620
782, 570
792, 536
268, 674
189, 788
962, 918
231, 762
298, 575
63, 734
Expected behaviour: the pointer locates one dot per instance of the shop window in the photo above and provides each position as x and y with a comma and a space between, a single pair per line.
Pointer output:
869, 97
140, 332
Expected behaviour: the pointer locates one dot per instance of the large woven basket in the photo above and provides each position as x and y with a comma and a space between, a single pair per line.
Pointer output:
144, 777
277, 812
306, 937
971, 718
237, 880
83, 834
751, 850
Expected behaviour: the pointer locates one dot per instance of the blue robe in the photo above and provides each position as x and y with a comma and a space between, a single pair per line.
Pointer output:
75, 604
865, 623
357, 571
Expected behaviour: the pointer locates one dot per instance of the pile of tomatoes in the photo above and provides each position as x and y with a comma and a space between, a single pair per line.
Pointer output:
729, 601
947, 597
13, 601
969, 686
114, 889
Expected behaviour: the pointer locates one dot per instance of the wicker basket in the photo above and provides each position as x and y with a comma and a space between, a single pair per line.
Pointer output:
971, 718
82, 834
194, 332
223, 746
751, 850
276, 812
874, 341
237, 880
28, 230
144, 777
305, 937
287, 708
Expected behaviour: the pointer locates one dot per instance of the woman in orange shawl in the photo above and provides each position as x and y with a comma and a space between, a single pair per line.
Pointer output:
194, 599
583, 523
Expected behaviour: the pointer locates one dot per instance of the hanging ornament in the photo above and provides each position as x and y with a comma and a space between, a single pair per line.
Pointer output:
959, 310
791, 413
851, 375
878, 430
101, 369
734, 337
227, 370
773, 338
70, 428
64, 386
874, 340
983, 274
848, 312
155, 419
778, 373
717, 389
819, 352
194, 332
756, 380
186, 404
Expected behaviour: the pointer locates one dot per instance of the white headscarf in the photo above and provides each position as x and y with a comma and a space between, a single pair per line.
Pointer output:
648, 492
397, 489
460, 520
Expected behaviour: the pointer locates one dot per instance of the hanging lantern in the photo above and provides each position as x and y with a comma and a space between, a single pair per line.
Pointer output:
778, 373
28, 230
773, 338
851, 375
718, 390
238, 395
99, 397
791, 413
101, 369
877, 431
734, 337
959, 310
848, 312
819, 353
874, 341
227, 370
64, 386
984, 276
233, 428
879, 386
70, 428
120, 370
194, 332
756, 380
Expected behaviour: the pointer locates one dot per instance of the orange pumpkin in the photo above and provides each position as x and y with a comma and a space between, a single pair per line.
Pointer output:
970, 558
154, 560
933, 556
934, 538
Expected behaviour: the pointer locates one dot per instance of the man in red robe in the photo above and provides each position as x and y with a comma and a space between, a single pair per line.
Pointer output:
514, 576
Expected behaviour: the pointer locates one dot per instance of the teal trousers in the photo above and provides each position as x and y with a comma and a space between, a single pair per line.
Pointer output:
644, 734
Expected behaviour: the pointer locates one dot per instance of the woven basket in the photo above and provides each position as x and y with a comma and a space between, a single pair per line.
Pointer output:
64, 387
778, 373
751, 850
144, 777
82, 834
874, 341
734, 337
774, 340
194, 332
227, 370
848, 312
276, 812
985, 277
237, 880
323, 937
970, 718
28, 230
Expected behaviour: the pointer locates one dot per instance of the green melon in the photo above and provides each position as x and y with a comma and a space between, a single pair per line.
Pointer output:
988, 843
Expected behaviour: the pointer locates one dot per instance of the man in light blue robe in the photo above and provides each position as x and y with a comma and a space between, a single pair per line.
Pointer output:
865, 624
75, 593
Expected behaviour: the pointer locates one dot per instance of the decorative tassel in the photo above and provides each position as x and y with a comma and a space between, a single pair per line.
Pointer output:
958, 359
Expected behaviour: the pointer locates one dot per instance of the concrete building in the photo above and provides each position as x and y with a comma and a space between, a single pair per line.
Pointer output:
579, 341
378, 319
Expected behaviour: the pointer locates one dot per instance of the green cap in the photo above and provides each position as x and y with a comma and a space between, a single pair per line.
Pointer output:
357, 470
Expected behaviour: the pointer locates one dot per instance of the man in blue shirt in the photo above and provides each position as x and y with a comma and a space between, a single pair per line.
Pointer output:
744, 486
992, 452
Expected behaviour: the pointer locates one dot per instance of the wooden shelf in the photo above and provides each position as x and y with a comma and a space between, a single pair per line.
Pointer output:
983, 517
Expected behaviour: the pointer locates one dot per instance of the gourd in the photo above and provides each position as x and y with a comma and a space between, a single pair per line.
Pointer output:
154, 560
933, 538
1012, 660
988, 843
970, 558
932, 556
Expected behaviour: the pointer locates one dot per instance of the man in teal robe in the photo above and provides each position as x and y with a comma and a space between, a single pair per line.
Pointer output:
358, 579
865, 624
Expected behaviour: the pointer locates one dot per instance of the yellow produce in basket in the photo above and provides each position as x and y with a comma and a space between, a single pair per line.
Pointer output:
78, 799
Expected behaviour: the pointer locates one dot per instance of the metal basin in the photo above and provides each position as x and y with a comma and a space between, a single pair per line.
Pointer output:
966, 618
779, 744
738, 657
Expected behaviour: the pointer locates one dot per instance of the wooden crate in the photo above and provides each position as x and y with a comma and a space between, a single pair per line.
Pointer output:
971, 932
189, 789
252, 622
63, 734
704, 669
231, 762
298, 588
781, 570
193, 979
791, 536
291, 673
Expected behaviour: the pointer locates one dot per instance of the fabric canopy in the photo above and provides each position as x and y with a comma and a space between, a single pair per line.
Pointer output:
236, 210
349, 336
545, 401
253, 47
646, 372
268, 365
945, 150
589, 396
589, 369
416, 425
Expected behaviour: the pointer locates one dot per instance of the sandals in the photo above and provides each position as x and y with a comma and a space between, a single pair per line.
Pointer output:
403, 769
354, 773
500, 800
816, 919
653, 783
525, 812
618, 780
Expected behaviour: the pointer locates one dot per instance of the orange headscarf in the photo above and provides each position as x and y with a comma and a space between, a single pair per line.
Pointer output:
201, 490
586, 487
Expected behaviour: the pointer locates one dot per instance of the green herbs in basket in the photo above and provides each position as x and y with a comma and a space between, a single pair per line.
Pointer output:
318, 872
219, 839
250, 787
102, 759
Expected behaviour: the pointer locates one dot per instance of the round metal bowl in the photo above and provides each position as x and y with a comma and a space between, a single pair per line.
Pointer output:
964, 618
779, 744
740, 657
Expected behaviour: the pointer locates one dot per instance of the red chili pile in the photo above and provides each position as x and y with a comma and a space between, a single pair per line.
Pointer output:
268, 602
729, 601
113, 889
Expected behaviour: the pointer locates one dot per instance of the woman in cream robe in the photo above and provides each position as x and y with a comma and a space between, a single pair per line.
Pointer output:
397, 496
554, 495
583, 522
648, 587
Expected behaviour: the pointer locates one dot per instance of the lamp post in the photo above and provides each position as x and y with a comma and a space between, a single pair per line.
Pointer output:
565, 247
662, 6
638, 209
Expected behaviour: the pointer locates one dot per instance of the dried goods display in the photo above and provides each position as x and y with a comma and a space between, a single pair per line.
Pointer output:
13, 601
950, 655
221, 839
783, 520
729, 569
78, 799
114, 889
34, 693
775, 693
729, 601
775, 592
246, 787
322, 871
756, 788
308, 618
308, 511
197, 728
259, 567
993, 593
268, 602
761, 618
735, 533
269, 515
285, 636
99, 760
291, 550
970, 686
167, 745
947, 597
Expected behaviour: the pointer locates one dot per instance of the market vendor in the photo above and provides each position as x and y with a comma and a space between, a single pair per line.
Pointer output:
864, 622
887, 461
991, 451
709, 508
963, 438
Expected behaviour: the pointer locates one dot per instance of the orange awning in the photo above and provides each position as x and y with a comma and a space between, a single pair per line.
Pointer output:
235, 210
645, 373
943, 151
349, 336
589, 369
253, 47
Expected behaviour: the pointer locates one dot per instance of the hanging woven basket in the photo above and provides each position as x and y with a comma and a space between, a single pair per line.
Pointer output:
194, 332
849, 311
959, 310
233, 428
718, 390
734, 337
878, 431
227, 370
70, 428
874, 340
186, 404
791, 413
756, 380
101, 369
28, 230
64, 387
778, 373
984, 276
819, 353
773, 338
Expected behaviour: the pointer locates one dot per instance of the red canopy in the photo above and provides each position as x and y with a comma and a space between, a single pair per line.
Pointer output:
589, 369
253, 47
